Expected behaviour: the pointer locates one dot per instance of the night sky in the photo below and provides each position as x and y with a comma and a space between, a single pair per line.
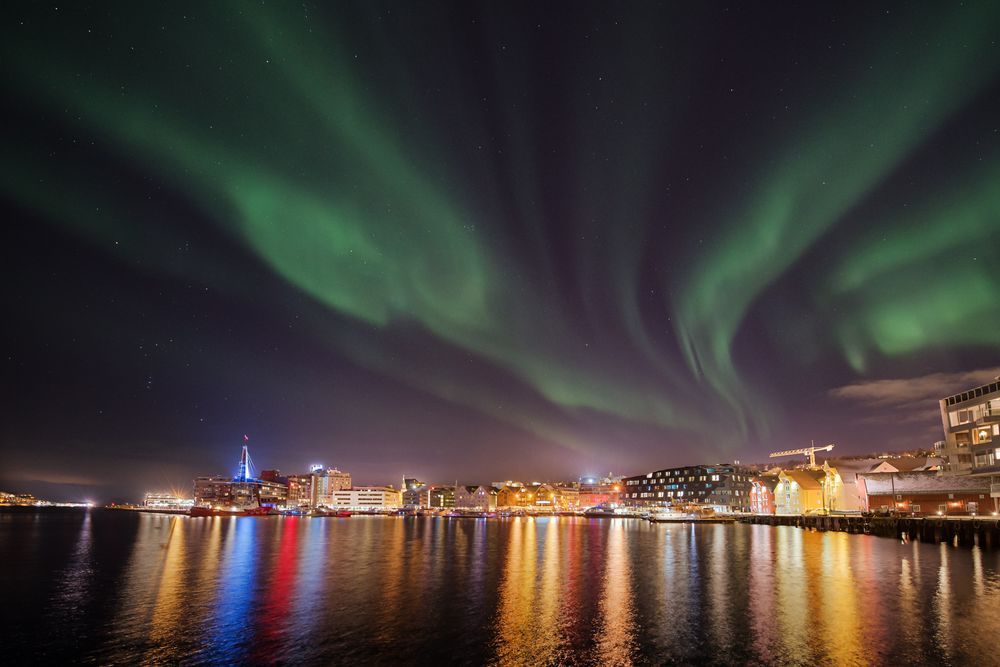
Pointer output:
488, 241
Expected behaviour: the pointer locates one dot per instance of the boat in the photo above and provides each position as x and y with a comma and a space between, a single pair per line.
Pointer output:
690, 514
334, 513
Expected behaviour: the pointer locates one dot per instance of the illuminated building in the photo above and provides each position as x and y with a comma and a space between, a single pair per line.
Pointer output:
301, 490
724, 488
218, 491
513, 495
480, 498
799, 492
415, 493
594, 492
538, 496
416, 496
365, 498
19, 499
241, 491
971, 421
441, 497
927, 493
762, 494
273, 494
327, 482
555, 497
166, 501
411, 483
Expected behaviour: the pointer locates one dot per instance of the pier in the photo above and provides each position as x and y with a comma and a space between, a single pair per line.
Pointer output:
961, 531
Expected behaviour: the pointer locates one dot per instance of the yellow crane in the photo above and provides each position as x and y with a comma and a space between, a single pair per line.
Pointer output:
808, 451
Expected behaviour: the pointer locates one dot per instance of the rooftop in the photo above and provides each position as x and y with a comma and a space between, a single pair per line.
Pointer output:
806, 479
880, 483
976, 392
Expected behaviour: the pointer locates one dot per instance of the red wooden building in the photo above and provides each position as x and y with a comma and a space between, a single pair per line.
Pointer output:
926, 493
762, 494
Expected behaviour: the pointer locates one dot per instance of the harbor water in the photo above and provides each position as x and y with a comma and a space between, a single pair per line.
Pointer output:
118, 587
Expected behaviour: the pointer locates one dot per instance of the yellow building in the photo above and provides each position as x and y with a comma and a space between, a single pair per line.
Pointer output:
800, 491
514, 495
538, 496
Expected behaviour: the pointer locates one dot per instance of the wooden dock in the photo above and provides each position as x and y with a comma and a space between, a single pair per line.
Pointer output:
963, 531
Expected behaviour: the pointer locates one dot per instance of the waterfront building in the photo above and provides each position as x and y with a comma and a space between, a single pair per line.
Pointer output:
416, 496
219, 491
927, 493
842, 477
799, 492
556, 497
971, 422
841, 490
762, 493
24, 499
429, 496
604, 491
538, 496
329, 481
724, 488
365, 498
479, 498
513, 495
242, 490
273, 494
302, 490
441, 497
166, 501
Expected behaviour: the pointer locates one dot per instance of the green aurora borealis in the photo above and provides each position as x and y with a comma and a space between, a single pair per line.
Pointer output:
590, 230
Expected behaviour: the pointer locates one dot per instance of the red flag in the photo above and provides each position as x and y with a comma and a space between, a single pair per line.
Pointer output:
246, 438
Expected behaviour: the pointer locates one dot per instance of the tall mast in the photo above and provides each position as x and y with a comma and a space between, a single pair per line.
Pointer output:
246, 465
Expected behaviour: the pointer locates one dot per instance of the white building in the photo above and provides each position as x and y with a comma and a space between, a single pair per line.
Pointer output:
366, 498
327, 482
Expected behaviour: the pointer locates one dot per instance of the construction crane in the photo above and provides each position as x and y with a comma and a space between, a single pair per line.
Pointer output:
808, 451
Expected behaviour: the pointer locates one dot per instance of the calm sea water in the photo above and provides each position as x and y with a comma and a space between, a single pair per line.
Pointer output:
115, 587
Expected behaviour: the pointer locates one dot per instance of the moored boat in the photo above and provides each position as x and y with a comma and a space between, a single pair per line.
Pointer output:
692, 514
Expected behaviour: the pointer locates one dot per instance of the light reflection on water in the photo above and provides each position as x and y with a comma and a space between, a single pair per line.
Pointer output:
115, 587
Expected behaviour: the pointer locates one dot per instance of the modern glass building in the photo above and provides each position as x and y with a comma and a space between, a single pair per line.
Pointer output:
725, 488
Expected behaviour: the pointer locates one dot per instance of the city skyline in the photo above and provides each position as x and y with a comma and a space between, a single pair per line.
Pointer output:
479, 242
